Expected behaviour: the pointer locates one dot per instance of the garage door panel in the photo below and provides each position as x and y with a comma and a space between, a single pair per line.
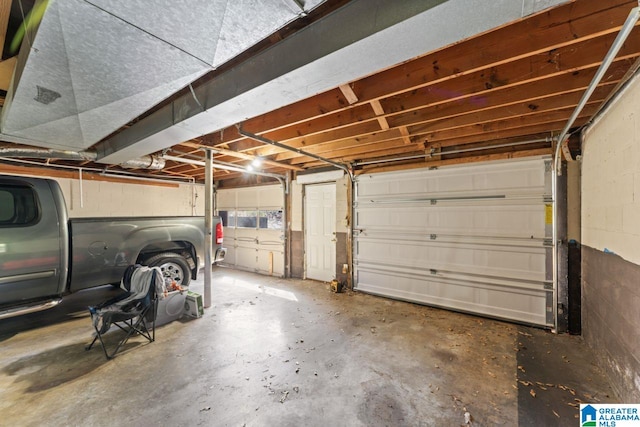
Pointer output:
515, 221
495, 179
247, 198
270, 196
527, 263
230, 256
246, 256
225, 199
271, 262
474, 238
255, 241
524, 305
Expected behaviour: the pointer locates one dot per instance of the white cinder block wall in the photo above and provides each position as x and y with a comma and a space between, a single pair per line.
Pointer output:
114, 199
111, 199
296, 206
611, 241
611, 179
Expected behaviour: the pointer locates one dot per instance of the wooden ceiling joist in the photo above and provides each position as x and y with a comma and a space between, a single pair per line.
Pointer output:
545, 32
379, 112
349, 94
244, 156
515, 83
476, 92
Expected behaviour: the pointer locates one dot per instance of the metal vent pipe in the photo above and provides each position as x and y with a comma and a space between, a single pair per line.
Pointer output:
144, 162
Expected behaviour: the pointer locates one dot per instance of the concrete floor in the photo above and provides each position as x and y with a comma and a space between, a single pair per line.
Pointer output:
290, 353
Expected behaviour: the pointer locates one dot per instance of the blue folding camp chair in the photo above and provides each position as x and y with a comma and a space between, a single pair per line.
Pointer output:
131, 315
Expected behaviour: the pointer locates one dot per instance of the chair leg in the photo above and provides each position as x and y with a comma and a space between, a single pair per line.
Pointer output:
122, 342
139, 327
98, 336
135, 325
88, 347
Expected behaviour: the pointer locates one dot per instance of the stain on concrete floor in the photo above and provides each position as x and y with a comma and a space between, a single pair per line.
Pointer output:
289, 353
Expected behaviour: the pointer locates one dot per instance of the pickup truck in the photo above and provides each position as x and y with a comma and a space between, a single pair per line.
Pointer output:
44, 255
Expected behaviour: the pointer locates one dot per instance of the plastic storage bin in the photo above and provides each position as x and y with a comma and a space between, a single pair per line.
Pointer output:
171, 307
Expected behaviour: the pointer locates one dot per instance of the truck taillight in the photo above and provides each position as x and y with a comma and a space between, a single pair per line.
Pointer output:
219, 233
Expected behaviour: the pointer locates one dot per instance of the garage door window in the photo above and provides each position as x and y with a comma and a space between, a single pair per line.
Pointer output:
271, 219
18, 206
228, 218
267, 219
246, 219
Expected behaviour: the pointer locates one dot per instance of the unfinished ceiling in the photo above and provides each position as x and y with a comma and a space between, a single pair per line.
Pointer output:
90, 66
502, 93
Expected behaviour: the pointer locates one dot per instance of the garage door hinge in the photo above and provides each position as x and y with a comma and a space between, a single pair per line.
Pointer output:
547, 242
547, 166
434, 201
433, 271
548, 286
547, 199
433, 237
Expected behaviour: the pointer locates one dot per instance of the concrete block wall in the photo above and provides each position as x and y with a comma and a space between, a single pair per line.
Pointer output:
113, 199
610, 234
297, 233
342, 228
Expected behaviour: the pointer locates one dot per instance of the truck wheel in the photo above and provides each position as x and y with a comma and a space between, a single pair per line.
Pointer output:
173, 266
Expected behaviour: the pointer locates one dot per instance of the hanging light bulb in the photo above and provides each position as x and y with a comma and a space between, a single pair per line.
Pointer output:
256, 162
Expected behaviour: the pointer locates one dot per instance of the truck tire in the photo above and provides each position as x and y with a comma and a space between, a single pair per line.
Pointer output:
173, 266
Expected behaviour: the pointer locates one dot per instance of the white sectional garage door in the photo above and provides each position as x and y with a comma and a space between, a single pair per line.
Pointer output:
473, 238
253, 228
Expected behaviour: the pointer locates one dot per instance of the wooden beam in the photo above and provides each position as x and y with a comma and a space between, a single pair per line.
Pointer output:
366, 128
505, 124
325, 149
487, 110
333, 145
264, 160
337, 120
562, 26
401, 149
5, 11
474, 86
349, 94
565, 150
540, 34
470, 92
448, 162
405, 134
7, 68
530, 93
522, 109
518, 134
379, 112
361, 150
244, 156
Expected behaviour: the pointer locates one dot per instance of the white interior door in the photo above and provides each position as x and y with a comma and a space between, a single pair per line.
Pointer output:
320, 231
